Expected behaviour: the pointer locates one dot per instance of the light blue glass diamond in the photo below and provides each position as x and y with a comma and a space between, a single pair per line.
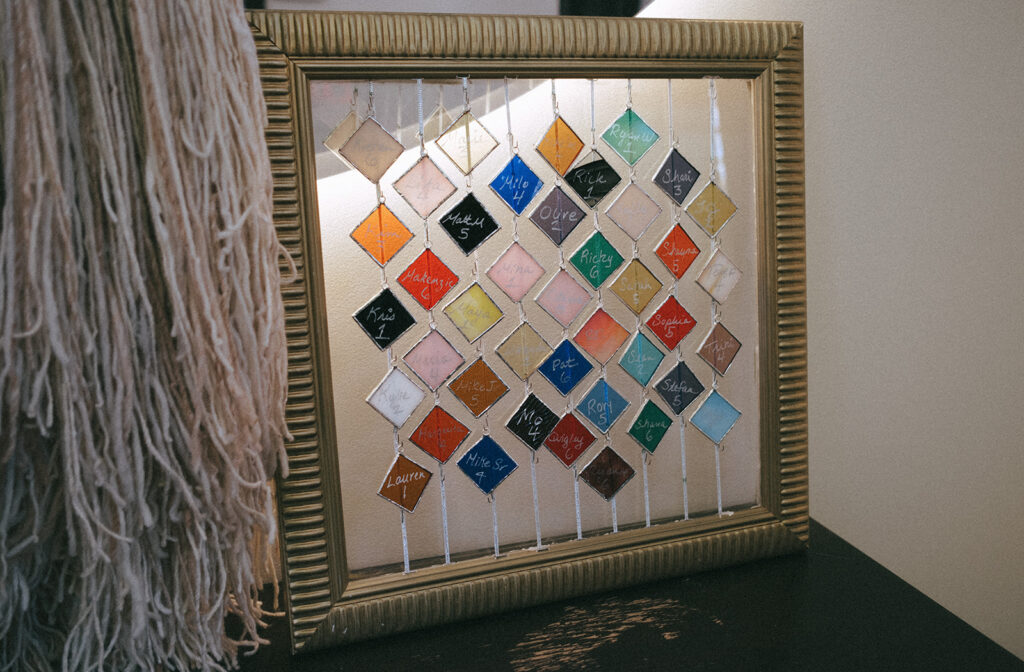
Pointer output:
715, 417
602, 406
516, 184
641, 359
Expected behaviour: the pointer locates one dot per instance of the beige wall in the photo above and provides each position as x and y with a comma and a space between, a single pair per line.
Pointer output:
915, 211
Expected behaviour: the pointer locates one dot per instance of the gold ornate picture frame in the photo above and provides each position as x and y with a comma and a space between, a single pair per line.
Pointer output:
330, 603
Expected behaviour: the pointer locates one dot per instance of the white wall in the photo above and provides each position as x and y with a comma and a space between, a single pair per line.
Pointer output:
915, 212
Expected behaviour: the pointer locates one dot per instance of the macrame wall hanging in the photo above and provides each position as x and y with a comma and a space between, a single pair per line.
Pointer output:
568, 266
142, 348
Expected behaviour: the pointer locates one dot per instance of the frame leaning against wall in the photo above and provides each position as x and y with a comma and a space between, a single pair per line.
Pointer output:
325, 605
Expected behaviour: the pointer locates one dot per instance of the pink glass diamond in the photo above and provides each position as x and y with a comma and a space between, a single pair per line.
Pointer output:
563, 298
515, 272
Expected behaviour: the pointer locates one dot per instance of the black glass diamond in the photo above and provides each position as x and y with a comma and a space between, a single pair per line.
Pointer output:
532, 422
676, 176
469, 224
384, 319
679, 388
592, 178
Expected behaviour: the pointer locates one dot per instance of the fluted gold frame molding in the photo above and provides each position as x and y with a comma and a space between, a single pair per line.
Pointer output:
325, 607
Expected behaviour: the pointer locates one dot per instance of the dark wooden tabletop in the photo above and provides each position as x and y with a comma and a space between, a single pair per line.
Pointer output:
831, 609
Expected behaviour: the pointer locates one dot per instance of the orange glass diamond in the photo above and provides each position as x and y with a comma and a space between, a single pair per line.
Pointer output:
381, 234
440, 434
560, 146
601, 336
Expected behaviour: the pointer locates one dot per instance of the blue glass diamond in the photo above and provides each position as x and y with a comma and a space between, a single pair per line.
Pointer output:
516, 184
715, 417
566, 367
487, 464
641, 359
602, 406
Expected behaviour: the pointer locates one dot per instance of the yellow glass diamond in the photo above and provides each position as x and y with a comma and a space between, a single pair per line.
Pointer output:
466, 142
524, 350
473, 312
636, 286
711, 209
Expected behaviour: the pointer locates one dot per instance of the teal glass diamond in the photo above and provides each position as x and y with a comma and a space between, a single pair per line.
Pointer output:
715, 417
602, 406
641, 359
630, 136
596, 259
650, 426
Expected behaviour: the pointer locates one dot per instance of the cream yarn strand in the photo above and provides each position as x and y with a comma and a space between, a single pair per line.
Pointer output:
142, 349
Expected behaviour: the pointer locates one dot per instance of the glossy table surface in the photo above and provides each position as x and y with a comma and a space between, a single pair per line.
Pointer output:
831, 608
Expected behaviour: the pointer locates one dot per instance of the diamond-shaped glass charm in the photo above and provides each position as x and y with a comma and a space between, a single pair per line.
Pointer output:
641, 359
473, 312
719, 276
636, 286
524, 350
440, 434
601, 336
630, 136
433, 359
396, 397
569, 439
404, 483
560, 146
676, 176
466, 142
671, 323
650, 426
468, 223
557, 215
341, 133
478, 387
719, 348
515, 272
592, 178
607, 473
532, 422
516, 184
371, 150
633, 211
487, 464
715, 417
602, 405
381, 234
563, 298
565, 368
424, 187
711, 209
384, 319
679, 388
596, 259
677, 251
436, 123
428, 279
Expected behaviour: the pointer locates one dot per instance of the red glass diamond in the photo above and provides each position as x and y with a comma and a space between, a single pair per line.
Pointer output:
569, 439
428, 279
439, 435
677, 251
671, 323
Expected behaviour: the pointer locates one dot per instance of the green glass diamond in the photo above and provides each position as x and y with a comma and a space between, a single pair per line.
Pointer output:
630, 136
650, 426
596, 259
